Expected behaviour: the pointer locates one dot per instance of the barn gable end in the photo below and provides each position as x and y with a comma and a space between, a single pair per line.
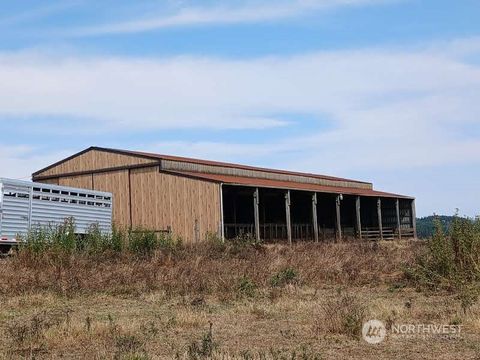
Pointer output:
92, 159
143, 196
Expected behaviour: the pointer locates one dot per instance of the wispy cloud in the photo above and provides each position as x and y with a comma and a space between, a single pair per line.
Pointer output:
218, 15
375, 94
402, 109
37, 13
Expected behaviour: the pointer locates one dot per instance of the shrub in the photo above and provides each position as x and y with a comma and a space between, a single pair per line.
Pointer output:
117, 239
205, 349
215, 243
142, 242
128, 344
468, 296
60, 238
63, 240
168, 241
342, 315
63, 236
145, 242
245, 239
451, 260
30, 330
94, 241
284, 277
246, 287
36, 241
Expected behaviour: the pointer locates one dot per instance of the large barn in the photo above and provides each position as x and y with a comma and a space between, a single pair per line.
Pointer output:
193, 198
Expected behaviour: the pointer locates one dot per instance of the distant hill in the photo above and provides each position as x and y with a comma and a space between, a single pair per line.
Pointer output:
426, 227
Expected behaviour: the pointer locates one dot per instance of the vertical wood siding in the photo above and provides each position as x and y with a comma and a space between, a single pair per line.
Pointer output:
161, 201
94, 160
79, 181
117, 183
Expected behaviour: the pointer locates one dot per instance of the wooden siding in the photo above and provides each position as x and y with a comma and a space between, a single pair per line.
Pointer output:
233, 171
79, 181
117, 183
161, 201
50, 181
94, 160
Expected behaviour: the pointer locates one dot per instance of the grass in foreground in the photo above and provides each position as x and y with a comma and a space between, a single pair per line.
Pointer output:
295, 324
240, 300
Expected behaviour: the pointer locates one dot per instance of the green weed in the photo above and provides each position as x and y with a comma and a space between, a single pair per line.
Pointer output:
284, 277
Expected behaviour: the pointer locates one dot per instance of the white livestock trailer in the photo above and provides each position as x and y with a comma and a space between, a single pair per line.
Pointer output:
24, 204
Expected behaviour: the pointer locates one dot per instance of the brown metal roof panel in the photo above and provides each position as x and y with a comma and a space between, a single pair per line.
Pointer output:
231, 165
248, 181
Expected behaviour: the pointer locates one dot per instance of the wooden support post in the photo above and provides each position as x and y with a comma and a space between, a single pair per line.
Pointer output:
222, 222
338, 217
256, 213
379, 213
359, 218
315, 216
399, 228
414, 219
289, 223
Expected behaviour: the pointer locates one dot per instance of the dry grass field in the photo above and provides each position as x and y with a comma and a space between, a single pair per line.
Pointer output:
213, 301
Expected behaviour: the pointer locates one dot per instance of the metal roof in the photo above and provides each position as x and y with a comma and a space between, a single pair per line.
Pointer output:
243, 180
228, 165
160, 157
278, 184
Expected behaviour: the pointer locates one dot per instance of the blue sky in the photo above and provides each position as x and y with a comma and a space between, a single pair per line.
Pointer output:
381, 90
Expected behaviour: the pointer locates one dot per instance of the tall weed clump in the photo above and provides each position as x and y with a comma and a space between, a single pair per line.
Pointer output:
60, 238
145, 242
450, 260
343, 315
63, 240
